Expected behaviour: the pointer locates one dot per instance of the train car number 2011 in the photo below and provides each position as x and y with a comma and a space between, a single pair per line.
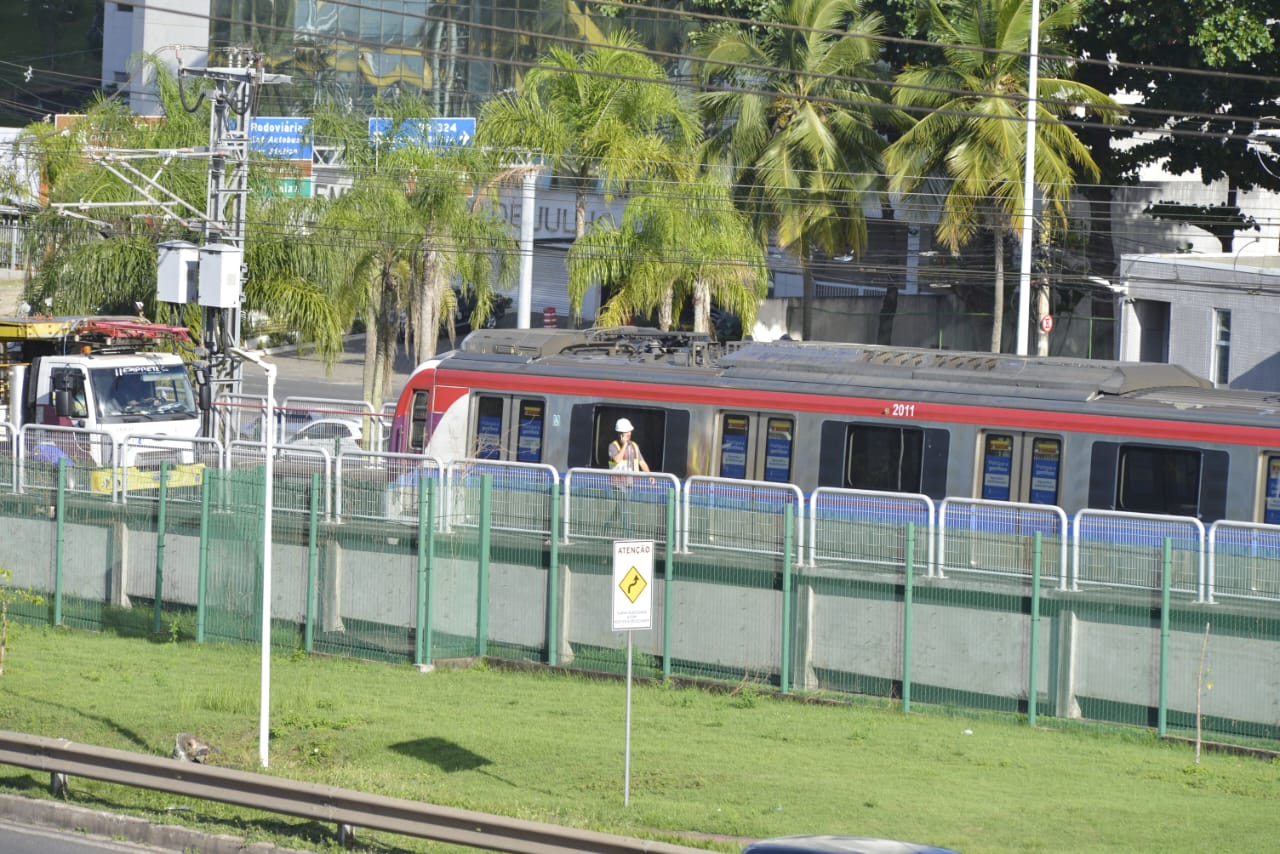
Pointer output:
901, 410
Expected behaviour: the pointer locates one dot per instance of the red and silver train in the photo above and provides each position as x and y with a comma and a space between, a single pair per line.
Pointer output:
1075, 433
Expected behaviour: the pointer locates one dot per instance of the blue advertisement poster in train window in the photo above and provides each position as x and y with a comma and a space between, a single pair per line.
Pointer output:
777, 452
489, 437
1046, 469
733, 447
997, 468
1271, 513
529, 449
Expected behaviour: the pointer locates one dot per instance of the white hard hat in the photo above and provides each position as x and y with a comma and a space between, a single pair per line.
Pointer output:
623, 426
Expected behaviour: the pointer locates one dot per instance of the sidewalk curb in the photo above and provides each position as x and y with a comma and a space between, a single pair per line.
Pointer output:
36, 812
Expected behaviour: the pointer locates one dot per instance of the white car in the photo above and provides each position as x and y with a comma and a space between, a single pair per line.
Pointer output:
331, 434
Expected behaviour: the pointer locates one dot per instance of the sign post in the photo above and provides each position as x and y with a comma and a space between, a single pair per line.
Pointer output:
632, 609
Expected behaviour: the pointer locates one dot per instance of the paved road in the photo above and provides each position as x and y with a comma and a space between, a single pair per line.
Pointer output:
22, 839
306, 375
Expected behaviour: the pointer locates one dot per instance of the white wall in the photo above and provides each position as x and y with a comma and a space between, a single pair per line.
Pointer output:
178, 29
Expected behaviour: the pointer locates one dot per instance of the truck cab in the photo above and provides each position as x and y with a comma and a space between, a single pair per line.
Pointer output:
95, 374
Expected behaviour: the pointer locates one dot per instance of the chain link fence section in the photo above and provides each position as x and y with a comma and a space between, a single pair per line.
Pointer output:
1126, 550
89, 455
239, 417
295, 411
292, 469
867, 529
521, 495
604, 505
998, 538
380, 485
741, 515
8, 457
1244, 561
184, 462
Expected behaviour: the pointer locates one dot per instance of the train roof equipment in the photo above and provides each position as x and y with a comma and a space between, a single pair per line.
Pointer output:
851, 366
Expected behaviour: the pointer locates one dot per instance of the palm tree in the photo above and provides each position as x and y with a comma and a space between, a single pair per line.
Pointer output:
608, 113
379, 231
972, 109
410, 228
665, 251
465, 240
794, 107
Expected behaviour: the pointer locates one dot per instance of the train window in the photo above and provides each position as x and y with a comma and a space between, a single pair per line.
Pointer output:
1158, 480
735, 435
1020, 467
997, 467
779, 446
650, 428
883, 458
1271, 500
418, 415
748, 453
1046, 470
529, 438
488, 428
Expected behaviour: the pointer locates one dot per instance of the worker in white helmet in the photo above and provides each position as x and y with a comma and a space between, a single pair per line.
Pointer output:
624, 454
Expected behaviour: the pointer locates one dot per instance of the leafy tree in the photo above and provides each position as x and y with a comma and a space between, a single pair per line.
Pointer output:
607, 114
970, 106
666, 251
794, 107
1197, 119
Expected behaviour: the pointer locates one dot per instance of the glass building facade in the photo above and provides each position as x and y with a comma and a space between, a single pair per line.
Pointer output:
452, 55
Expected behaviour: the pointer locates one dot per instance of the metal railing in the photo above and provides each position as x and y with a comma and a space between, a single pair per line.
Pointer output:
344, 807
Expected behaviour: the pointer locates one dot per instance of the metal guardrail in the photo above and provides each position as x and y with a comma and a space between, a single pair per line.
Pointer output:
346, 808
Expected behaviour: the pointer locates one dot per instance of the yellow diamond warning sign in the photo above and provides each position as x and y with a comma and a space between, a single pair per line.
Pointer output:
633, 584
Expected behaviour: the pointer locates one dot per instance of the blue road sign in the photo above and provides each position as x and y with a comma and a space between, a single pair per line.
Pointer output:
432, 133
284, 138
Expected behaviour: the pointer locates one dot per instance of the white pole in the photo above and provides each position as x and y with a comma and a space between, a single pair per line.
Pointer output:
264, 694
524, 297
1029, 186
626, 763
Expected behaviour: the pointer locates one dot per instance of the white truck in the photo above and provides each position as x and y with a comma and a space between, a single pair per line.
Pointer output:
101, 375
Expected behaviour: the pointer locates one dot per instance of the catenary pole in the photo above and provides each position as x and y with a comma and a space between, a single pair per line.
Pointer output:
1029, 186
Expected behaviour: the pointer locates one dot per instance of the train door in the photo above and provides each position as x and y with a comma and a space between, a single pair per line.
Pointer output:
756, 446
1270, 510
508, 427
1021, 467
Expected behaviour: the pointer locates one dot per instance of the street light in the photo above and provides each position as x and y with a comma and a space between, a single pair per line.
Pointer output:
268, 431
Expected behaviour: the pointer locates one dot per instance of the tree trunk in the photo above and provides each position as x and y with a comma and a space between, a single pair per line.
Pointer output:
369, 373
665, 312
1229, 238
701, 306
580, 208
997, 309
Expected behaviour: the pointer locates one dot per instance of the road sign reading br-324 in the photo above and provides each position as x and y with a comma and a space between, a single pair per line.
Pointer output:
632, 585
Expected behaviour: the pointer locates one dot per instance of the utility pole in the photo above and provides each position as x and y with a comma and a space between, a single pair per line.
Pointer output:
232, 98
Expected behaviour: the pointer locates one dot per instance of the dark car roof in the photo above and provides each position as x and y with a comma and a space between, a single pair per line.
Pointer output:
840, 845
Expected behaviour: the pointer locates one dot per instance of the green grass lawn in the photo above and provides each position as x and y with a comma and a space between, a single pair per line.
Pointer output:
707, 768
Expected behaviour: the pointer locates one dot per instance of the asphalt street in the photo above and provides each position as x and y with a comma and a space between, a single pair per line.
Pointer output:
303, 373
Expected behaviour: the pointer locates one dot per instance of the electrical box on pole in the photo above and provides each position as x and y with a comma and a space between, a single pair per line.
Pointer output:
178, 273
220, 275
